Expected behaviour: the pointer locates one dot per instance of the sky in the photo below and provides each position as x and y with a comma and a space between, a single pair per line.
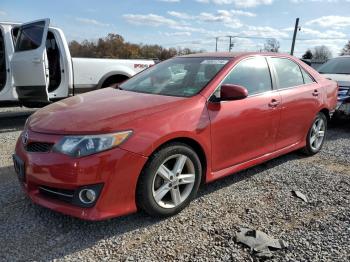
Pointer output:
195, 23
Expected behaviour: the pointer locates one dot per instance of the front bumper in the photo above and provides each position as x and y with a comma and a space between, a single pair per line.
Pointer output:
343, 105
117, 170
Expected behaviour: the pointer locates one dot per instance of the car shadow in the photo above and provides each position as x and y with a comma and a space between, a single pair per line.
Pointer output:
21, 221
247, 173
13, 121
340, 130
39, 220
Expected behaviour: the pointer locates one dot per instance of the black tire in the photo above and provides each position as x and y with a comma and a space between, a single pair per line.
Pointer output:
144, 195
309, 150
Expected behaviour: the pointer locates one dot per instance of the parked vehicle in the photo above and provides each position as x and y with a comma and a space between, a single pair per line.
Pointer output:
36, 66
338, 69
150, 143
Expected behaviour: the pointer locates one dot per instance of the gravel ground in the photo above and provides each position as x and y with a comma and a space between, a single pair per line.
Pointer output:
258, 198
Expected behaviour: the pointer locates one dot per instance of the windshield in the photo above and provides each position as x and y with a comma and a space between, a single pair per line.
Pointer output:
339, 65
180, 76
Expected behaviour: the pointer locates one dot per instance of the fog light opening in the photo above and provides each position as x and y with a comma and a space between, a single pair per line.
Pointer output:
87, 196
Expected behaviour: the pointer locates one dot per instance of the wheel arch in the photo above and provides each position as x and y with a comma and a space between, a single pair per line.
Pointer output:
326, 112
192, 143
113, 74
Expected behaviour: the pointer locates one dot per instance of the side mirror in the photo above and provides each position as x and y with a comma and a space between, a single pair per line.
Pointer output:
232, 92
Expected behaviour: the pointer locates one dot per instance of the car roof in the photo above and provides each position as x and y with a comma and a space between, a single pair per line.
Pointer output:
232, 55
9, 23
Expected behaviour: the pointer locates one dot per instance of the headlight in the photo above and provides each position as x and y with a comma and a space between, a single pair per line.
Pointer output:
78, 146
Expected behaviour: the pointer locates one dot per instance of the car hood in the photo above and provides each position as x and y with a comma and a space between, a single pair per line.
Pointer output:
342, 79
101, 111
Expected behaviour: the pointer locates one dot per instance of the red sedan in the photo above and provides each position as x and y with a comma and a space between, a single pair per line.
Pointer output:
150, 142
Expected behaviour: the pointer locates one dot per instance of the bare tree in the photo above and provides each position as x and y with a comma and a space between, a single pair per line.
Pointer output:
346, 49
272, 45
321, 53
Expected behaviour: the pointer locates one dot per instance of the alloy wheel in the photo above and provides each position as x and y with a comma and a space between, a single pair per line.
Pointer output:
317, 134
173, 181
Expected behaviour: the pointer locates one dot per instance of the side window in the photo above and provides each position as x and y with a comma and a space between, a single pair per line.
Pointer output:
253, 74
307, 77
30, 37
288, 72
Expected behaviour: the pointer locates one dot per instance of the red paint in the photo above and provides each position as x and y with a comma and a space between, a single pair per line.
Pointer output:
233, 135
233, 92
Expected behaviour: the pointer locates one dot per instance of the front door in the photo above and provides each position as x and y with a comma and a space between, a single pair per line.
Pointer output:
245, 129
3, 62
29, 62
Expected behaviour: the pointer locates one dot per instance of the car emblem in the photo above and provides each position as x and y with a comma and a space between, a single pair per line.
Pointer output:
25, 137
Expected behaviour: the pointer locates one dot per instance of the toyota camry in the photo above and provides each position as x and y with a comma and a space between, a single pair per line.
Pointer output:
149, 143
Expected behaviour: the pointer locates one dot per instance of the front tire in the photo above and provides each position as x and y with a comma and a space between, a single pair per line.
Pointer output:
169, 181
316, 135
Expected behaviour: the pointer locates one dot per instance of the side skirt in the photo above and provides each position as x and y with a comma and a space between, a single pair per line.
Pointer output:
256, 161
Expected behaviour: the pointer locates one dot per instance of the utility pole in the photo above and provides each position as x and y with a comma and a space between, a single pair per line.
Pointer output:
294, 35
231, 44
216, 45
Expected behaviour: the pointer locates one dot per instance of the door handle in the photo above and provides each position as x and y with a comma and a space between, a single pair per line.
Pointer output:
315, 92
274, 103
36, 60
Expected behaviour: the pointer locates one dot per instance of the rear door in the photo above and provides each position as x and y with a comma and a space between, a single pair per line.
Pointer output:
29, 62
301, 100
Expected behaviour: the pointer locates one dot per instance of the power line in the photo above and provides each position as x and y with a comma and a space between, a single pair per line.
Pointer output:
197, 41
289, 39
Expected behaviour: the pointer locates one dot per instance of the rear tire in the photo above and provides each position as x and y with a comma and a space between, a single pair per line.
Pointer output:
169, 181
316, 135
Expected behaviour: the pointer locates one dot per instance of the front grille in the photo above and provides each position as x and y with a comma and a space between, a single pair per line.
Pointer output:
57, 193
39, 147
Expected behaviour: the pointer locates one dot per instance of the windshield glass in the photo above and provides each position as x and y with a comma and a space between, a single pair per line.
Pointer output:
180, 76
339, 65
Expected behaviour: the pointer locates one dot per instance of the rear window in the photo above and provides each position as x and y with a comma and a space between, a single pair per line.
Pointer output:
307, 77
30, 37
288, 73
